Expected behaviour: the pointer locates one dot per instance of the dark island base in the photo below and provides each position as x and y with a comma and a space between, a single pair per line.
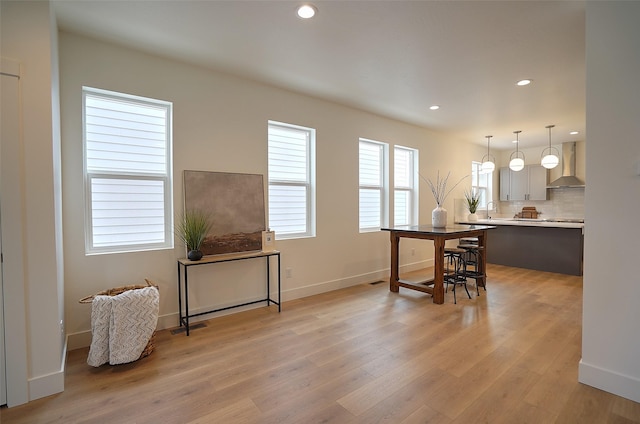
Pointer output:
541, 248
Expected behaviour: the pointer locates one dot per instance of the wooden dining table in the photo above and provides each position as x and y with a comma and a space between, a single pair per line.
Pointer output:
439, 235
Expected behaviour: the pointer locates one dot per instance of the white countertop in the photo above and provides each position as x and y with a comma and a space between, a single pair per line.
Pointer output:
523, 223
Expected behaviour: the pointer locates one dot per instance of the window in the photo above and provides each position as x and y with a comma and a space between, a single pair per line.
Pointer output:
291, 180
127, 170
405, 198
373, 185
481, 183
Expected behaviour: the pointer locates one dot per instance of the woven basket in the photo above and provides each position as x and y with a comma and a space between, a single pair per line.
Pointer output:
118, 290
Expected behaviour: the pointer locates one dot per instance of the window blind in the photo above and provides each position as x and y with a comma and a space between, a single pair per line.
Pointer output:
371, 168
405, 195
290, 180
128, 172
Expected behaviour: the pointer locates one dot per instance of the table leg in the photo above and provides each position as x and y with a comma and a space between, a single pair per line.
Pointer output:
393, 279
482, 259
438, 273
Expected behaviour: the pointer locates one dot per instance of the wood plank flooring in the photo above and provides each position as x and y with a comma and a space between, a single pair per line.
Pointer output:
358, 355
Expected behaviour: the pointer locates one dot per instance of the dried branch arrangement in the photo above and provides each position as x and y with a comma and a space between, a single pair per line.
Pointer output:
439, 189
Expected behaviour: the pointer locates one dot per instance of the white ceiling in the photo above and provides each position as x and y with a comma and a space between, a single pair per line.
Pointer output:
393, 58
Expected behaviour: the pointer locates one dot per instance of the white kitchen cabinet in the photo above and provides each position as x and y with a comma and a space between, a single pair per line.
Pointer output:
505, 184
537, 182
528, 184
519, 184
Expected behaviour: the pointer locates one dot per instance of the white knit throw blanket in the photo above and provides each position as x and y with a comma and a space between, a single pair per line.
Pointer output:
122, 325
100, 319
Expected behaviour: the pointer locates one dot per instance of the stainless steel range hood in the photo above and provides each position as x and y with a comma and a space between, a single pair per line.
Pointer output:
568, 178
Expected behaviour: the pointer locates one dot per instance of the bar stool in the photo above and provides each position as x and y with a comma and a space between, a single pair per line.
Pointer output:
455, 271
472, 259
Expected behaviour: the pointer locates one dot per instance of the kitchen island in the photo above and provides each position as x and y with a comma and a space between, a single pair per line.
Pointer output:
543, 245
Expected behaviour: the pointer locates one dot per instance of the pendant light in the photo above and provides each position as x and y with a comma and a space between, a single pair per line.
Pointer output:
550, 160
517, 162
488, 161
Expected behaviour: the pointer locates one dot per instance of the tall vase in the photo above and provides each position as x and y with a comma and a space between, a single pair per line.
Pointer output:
439, 217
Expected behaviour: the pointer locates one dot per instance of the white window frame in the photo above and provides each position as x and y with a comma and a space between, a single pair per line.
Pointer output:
307, 183
409, 190
161, 180
485, 191
381, 186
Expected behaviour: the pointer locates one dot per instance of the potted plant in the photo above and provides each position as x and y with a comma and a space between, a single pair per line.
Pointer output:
473, 200
192, 228
440, 194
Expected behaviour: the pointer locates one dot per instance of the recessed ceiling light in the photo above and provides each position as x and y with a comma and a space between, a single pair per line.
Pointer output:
574, 132
524, 82
307, 11
434, 107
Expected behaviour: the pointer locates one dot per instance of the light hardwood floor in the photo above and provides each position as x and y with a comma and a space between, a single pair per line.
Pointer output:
358, 355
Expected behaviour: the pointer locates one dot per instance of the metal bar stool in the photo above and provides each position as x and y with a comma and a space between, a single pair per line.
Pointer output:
455, 271
472, 259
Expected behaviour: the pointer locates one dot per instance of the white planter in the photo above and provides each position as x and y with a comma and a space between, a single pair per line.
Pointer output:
472, 217
439, 217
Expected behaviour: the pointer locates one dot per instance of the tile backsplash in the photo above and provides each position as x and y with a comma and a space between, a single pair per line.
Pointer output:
562, 203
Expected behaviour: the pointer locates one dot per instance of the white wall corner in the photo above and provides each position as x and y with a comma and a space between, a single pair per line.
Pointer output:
621, 385
50, 384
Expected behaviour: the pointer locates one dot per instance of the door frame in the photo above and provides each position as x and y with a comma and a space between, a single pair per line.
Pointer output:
13, 235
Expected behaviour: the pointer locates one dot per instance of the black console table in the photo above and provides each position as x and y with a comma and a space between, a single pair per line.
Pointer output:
185, 264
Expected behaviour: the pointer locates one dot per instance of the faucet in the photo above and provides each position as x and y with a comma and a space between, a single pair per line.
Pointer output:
489, 203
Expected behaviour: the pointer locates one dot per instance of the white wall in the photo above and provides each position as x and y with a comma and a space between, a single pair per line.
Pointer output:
29, 37
611, 314
220, 124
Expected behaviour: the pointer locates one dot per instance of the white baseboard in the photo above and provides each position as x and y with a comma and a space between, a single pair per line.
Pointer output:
50, 384
79, 340
414, 266
621, 385
83, 338
326, 286
341, 283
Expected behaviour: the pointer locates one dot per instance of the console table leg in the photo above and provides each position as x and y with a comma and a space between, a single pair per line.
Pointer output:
268, 281
186, 301
179, 296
